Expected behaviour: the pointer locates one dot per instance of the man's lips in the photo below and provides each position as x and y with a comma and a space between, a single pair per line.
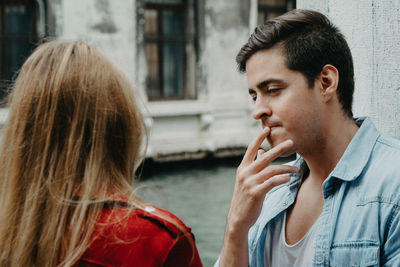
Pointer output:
271, 126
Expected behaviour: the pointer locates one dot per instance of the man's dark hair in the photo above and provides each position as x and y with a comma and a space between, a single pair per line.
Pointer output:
310, 41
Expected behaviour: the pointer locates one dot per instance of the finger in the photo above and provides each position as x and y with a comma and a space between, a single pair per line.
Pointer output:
274, 170
272, 154
252, 149
275, 181
260, 152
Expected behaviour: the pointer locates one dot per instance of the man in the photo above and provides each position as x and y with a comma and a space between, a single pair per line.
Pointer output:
338, 204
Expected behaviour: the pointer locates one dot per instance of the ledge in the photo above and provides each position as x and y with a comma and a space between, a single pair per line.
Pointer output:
158, 109
177, 108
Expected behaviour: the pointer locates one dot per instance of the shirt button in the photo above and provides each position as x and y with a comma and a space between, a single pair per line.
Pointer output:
319, 258
284, 203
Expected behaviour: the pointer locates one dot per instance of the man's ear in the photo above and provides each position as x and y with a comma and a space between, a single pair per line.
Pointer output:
329, 79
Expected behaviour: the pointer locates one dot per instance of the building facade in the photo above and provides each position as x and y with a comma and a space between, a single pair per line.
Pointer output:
179, 54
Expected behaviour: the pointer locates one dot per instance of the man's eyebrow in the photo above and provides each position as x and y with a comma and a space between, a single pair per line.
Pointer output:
265, 83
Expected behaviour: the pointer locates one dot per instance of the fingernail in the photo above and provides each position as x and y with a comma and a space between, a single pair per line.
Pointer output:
289, 142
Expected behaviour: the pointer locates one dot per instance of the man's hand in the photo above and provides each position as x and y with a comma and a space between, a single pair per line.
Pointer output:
255, 177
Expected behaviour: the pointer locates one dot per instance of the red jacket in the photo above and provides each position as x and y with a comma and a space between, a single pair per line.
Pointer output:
134, 237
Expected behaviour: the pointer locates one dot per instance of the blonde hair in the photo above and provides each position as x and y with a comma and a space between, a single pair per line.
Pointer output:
74, 129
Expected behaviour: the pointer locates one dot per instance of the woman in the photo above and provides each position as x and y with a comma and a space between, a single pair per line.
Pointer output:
69, 152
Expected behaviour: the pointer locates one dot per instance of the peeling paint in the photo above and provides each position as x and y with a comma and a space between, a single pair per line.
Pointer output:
106, 24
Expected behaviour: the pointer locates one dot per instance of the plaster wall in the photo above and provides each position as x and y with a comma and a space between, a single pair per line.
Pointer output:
372, 29
226, 27
107, 24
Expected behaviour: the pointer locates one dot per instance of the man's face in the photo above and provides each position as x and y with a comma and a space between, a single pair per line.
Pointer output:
283, 100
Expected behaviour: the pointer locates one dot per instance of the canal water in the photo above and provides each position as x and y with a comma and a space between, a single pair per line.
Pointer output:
199, 193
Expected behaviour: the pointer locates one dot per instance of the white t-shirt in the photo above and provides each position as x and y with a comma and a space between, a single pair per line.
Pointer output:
281, 254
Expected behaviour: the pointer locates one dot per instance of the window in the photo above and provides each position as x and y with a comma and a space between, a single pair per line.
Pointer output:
268, 9
18, 35
169, 49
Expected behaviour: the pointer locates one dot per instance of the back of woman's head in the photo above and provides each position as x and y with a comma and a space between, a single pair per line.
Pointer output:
74, 130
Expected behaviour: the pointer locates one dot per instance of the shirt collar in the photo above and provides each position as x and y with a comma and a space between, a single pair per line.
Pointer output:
355, 156
358, 152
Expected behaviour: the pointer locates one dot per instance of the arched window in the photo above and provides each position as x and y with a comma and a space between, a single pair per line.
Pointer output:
18, 35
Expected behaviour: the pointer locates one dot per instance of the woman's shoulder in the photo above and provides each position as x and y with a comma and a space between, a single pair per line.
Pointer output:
164, 219
143, 236
146, 219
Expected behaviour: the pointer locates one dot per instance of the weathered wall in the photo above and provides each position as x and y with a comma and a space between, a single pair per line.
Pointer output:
107, 24
226, 24
372, 29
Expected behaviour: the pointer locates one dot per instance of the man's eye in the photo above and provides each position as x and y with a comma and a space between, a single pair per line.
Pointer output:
273, 90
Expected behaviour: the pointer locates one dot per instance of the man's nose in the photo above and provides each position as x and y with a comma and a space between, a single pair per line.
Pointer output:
261, 109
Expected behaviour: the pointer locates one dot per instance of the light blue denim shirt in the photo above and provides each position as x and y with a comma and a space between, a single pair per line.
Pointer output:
360, 221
